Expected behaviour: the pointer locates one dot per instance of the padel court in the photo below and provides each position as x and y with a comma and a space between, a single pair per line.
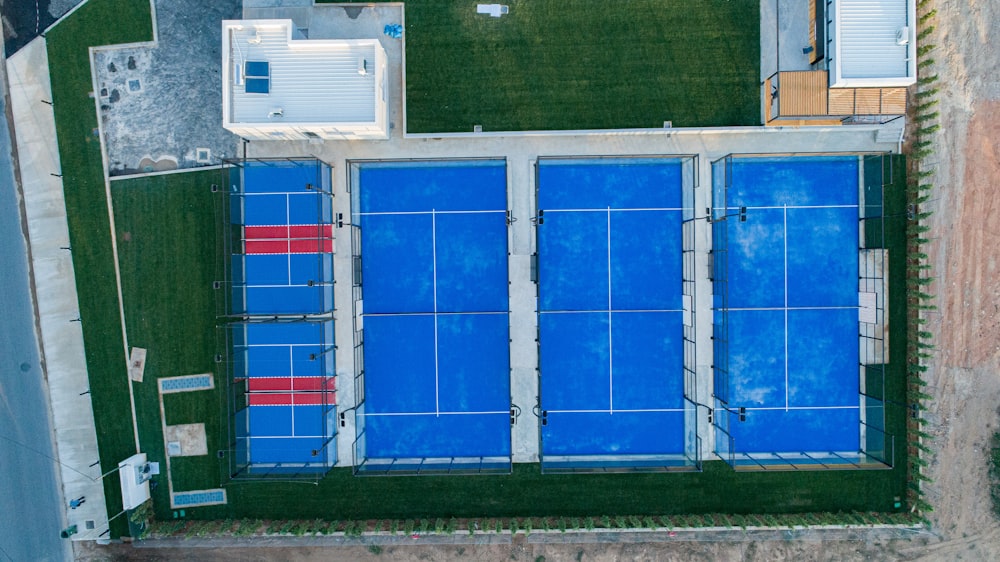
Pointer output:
281, 337
431, 308
283, 261
611, 311
787, 232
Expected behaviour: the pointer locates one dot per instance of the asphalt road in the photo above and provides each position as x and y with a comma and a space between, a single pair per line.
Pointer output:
23, 20
30, 504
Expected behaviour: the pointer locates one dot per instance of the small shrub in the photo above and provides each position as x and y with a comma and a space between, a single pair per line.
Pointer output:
621, 522
498, 527
425, 526
375, 549
528, 524
588, 524
514, 526
439, 525
605, 522
408, 527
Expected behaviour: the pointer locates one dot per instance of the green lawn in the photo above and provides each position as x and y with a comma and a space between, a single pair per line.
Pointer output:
170, 221
99, 22
582, 64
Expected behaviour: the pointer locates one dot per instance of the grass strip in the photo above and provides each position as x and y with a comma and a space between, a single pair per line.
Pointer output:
98, 22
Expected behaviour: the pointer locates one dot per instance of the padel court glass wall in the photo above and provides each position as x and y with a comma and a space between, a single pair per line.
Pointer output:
280, 238
799, 278
615, 278
275, 316
431, 316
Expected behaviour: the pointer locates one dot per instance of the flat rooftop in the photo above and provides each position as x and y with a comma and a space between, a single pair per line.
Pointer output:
271, 76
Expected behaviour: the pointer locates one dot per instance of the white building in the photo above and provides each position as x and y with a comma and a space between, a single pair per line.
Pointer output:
872, 43
276, 86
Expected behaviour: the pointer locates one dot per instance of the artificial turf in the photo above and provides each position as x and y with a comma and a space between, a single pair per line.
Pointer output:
582, 64
87, 215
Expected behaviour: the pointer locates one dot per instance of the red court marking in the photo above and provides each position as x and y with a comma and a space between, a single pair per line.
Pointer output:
266, 246
270, 384
265, 232
286, 399
269, 399
284, 232
305, 384
310, 231
310, 246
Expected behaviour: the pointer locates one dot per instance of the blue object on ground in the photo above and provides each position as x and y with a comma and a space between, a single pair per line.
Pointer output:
394, 30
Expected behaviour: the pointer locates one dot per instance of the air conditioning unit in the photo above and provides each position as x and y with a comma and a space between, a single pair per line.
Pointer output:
903, 36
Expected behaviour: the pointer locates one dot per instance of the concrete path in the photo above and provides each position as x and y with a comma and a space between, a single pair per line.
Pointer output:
55, 286
33, 503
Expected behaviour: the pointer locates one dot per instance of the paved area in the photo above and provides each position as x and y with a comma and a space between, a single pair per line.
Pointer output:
160, 104
33, 501
55, 289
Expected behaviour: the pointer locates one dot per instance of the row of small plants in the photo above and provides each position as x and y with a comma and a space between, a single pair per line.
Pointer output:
919, 279
319, 527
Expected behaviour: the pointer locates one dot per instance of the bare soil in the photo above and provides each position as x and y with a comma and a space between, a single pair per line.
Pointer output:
964, 375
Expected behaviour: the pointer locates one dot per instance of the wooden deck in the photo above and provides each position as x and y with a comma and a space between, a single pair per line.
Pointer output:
805, 98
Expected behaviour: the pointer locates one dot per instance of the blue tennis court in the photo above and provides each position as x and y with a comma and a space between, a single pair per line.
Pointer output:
792, 312
435, 301
283, 261
287, 373
610, 307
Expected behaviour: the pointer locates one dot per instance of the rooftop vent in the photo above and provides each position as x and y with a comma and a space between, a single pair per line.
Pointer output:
903, 36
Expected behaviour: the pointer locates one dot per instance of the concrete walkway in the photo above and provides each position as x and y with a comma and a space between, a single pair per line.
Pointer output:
55, 289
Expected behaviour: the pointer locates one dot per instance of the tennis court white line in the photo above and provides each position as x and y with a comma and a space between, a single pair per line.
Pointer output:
284, 436
431, 212
437, 401
616, 311
653, 410
611, 347
774, 207
610, 209
787, 408
281, 345
785, 238
392, 414
314, 286
786, 308
252, 194
291, 362
434, 313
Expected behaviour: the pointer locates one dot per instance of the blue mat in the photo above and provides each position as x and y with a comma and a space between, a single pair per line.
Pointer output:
611, 384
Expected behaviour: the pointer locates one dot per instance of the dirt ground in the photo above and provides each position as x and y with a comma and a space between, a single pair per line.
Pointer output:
964, 376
